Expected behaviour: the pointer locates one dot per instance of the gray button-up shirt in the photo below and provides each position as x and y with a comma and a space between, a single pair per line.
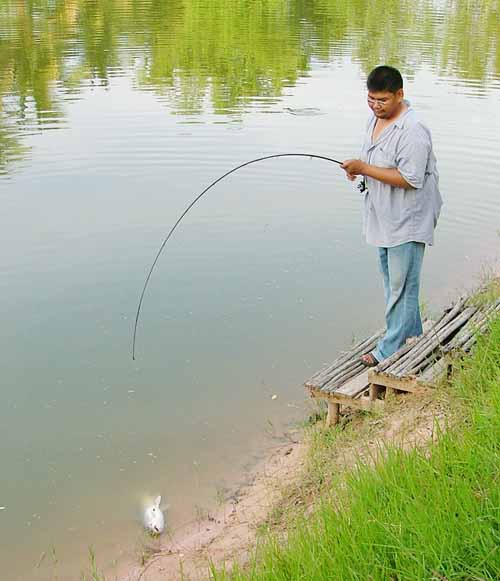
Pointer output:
392, 215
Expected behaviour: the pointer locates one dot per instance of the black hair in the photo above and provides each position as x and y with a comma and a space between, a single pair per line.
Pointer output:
384, 78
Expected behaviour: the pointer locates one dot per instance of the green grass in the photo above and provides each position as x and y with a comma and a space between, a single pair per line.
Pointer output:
93, 573
489, 292
428, 513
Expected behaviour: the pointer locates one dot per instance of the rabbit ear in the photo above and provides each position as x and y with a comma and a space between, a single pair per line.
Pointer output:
158, 501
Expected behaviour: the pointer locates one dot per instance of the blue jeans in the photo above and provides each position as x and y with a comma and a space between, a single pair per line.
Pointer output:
400, 267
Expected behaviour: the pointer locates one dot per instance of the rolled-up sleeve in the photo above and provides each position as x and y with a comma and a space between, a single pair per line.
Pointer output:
413, 154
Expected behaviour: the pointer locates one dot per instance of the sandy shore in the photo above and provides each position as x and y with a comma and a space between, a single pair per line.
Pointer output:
229, 535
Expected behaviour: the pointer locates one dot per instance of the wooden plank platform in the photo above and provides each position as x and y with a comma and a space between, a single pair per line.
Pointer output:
415, 368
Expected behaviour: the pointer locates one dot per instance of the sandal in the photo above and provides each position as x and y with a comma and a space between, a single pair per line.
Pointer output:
369, 360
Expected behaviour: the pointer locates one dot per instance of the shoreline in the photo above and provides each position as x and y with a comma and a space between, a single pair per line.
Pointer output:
229, 533
283, 481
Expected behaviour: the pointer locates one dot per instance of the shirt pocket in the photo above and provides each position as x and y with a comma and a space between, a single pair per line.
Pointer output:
385, 157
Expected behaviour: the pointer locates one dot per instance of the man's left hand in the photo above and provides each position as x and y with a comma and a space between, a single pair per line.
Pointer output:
354, 167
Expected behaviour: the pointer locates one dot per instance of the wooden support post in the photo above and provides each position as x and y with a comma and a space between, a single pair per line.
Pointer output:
333, 415
374, 391
389, 391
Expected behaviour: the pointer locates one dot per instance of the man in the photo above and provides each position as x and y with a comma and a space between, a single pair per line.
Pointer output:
401, 205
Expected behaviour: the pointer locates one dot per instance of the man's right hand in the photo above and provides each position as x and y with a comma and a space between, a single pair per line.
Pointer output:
352, 168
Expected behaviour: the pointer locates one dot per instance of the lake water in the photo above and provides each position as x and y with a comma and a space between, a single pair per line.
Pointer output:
113, 116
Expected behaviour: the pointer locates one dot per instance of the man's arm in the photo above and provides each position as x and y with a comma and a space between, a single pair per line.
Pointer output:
391, 176
411, 160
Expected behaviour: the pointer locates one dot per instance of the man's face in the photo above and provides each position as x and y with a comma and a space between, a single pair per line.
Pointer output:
385, 104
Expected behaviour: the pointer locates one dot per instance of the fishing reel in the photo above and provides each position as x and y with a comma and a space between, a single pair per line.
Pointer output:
362, 186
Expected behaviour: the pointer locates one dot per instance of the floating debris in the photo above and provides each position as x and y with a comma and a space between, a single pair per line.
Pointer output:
304, 111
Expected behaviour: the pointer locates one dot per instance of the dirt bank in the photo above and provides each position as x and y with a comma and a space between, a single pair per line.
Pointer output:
229, 536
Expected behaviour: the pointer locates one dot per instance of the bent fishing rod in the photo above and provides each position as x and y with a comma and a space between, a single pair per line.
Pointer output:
167, 237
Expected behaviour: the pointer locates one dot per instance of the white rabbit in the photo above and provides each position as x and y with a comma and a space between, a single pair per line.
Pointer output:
154, 521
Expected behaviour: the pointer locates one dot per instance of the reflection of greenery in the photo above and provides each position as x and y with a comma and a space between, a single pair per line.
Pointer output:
238, 49
11, 148
226, 51
471, 47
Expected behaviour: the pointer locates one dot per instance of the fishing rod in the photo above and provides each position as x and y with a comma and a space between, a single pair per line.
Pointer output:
167, 238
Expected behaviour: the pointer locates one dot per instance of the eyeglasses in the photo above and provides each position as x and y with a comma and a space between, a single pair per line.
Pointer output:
381, 102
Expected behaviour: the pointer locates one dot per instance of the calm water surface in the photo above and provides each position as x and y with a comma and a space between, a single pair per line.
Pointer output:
113, 115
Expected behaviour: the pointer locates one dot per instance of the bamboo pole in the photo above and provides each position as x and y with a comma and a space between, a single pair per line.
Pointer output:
383, 365
333, 385
432, 344
436, 337
437, 341
475, 325
430, 335
339, 364
340, 369
468, 344
423, 365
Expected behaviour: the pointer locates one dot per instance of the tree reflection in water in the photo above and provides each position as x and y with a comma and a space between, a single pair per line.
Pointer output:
228, 54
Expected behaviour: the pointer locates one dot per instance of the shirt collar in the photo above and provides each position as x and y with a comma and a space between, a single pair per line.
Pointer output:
400, 120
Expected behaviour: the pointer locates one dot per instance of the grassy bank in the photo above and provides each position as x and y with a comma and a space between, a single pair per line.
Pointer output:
426, 512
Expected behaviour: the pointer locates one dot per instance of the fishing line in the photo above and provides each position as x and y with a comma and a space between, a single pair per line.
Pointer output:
310, 155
